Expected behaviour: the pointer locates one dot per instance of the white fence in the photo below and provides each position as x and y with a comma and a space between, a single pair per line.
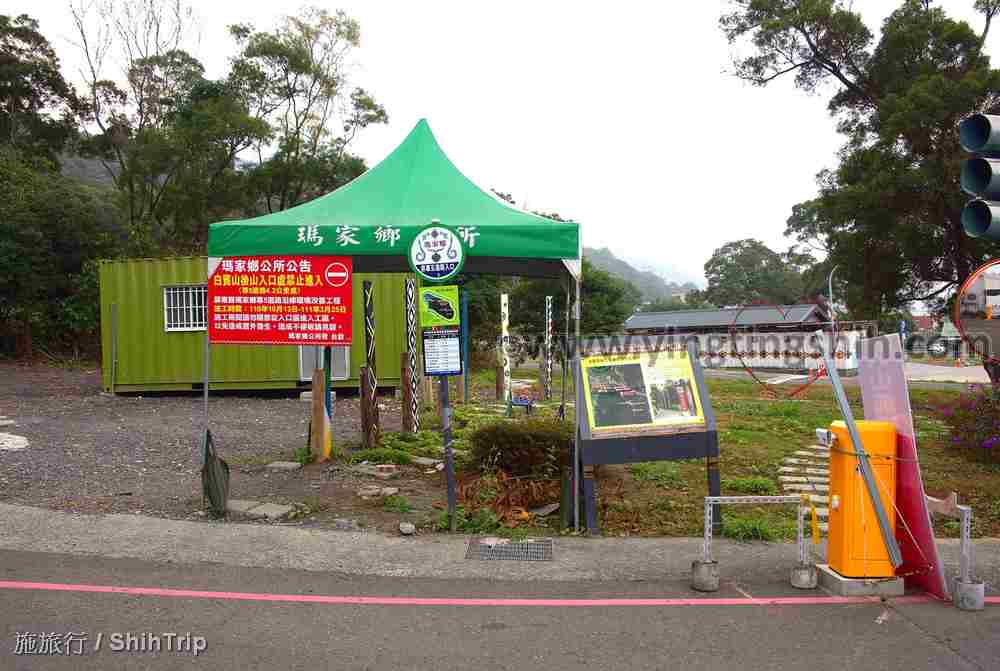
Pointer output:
784, 351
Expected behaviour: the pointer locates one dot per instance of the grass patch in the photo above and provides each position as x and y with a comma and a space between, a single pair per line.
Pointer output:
754, 485
746, 528
382, 455
663, 473
304, 455
396, 504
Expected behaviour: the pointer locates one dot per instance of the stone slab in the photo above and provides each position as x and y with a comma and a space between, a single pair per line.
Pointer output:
272, 511
818, 479
809, 471
426, 461
810, 454
284, 466
837, 584
805, 487
243, 507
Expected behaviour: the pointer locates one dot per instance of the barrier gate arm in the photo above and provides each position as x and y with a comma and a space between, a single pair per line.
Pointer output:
888, 537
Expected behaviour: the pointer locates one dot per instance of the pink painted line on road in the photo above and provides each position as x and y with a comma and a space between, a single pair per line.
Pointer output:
455, 601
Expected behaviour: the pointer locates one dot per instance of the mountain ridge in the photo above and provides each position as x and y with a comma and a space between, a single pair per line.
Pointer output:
650, 284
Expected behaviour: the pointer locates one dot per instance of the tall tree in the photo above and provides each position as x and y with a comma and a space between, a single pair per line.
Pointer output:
51, 228
607, 301
747, 272
889, 213
296, 79
169, 137
38, 108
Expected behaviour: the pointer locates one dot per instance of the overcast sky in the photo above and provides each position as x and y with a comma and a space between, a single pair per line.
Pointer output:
618, 115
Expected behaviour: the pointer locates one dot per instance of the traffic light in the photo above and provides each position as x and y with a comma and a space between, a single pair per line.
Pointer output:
980, 134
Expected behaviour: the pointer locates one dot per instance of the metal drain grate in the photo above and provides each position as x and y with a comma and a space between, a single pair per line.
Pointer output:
539, 549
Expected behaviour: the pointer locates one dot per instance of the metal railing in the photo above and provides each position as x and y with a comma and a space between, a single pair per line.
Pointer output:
710, 501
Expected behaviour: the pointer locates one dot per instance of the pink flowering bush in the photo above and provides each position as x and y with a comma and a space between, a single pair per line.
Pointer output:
975, 423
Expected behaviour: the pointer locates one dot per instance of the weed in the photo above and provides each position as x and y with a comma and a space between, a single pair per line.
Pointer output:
662, 504
396, 504
482, 521
753, 485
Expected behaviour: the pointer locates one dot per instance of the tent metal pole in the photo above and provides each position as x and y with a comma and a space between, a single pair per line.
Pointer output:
204, 385
565, 362
578, 468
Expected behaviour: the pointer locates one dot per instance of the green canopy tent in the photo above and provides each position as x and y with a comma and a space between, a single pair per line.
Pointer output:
376, 217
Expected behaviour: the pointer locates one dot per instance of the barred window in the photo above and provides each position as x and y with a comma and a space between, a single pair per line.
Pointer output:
185, 308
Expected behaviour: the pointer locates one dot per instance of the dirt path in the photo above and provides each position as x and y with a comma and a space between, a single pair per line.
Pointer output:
92, 452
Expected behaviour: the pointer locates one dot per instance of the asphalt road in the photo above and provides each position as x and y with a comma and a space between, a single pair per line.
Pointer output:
251, 634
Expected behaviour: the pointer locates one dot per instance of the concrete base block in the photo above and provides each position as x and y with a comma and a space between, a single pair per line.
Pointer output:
842, 586
805, 576
968, 595
705, 576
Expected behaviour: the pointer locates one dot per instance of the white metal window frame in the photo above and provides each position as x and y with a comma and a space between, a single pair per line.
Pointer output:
191, 313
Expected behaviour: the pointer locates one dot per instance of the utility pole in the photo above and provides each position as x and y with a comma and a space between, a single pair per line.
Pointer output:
829, 289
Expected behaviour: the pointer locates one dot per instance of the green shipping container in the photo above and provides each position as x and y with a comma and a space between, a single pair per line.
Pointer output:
153, 314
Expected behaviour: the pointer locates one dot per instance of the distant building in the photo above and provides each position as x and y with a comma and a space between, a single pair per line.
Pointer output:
983, 292
755, 317
925, 322
759, 336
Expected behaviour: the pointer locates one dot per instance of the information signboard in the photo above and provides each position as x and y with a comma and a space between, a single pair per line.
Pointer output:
280, 300
641, 393
442, 350
439, 306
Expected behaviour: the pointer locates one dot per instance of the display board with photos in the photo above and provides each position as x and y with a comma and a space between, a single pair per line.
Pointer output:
642, 399
641, 392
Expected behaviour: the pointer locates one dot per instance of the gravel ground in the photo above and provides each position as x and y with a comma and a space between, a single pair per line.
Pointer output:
92, 452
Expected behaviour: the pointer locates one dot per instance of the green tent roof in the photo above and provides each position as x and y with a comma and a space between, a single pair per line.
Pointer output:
376, 217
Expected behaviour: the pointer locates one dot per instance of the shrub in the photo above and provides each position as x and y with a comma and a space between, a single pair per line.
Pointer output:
533, 447
975, 424
753, 485
382, 455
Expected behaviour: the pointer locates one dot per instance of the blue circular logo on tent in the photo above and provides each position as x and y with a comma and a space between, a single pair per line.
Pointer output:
436, 254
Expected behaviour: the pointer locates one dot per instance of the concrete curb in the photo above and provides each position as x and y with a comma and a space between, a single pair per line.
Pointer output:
275, 546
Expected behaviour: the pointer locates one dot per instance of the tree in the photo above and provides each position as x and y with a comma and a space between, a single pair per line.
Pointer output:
746, 272
889, 213
607, 301
145, 39
673, 304
51, 228
295, 78
38, 108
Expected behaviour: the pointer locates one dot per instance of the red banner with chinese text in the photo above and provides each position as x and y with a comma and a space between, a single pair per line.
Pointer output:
280, 300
